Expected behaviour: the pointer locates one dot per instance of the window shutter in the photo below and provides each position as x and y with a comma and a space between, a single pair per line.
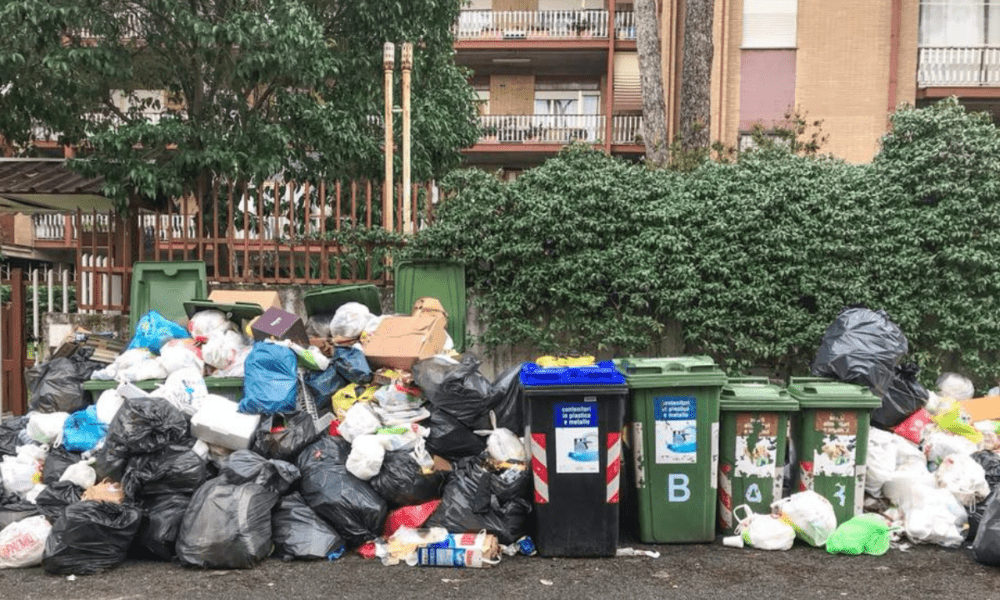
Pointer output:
769, 23
628, 90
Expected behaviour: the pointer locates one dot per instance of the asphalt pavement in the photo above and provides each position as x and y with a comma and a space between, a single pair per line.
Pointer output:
708, 571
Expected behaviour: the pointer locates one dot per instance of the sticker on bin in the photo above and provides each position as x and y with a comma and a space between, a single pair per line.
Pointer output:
676, 429
577, 441
836, 456
756, 444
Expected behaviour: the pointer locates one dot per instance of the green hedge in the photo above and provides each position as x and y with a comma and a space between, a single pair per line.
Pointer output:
754, 258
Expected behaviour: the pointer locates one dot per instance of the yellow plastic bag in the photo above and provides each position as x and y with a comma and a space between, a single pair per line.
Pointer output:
952, 420
348, 395
564, 361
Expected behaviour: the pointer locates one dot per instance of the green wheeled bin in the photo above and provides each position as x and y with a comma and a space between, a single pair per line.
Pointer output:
675, 445
830, 441
441, 279
165, 287
753, 442
327, 299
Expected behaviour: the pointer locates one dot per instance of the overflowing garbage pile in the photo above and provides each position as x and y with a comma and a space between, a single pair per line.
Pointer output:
353, 431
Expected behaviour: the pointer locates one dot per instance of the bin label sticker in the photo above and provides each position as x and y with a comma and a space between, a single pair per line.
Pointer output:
836, 422
753, 494
676, 430
640, 463
756, 444
836, 456
577, 441
859, 488
715, 456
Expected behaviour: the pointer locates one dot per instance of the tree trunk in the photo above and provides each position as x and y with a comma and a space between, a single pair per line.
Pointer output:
696, 74
654, 111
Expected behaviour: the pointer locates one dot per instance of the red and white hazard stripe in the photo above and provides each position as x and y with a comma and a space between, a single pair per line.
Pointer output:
614, 465
540, 468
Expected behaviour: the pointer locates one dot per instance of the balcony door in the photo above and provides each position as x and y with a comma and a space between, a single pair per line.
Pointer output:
566, 115
959, 23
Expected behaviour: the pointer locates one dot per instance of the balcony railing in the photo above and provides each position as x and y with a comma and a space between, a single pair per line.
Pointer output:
558, 129
625, 25
526, 24
958, 66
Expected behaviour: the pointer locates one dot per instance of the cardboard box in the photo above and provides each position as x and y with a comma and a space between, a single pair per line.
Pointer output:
982, 409
401, 341
262, 298
218, 422
280, 325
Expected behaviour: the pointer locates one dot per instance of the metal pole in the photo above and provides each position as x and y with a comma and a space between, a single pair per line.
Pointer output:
388, 61
34, 302
407, 65
65, 289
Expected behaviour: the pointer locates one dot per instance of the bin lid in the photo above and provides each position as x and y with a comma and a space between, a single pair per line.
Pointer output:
819, 392
601, 374
755, 394
241, 311
678, 371
164, 287
328, 299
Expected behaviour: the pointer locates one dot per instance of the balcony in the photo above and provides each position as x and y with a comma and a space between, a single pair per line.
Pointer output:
559, 129
952, 66
532, 25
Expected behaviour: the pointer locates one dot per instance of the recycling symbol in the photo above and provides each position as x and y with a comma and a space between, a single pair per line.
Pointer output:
753, 493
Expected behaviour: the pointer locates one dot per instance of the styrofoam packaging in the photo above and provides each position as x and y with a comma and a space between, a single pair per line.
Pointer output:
219, 423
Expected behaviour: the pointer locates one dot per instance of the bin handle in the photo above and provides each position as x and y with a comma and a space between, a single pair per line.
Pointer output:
749, 379
795, 380
633, 369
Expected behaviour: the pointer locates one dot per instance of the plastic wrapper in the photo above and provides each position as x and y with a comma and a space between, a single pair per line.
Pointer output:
300, 534
152, 331
222, 348
343, 500
271, 383
955, 386
507, 402
204, 323
450, 439
986, 545
863, 534
359, 420
460, 390
57, 385
931, 515
90, 537
185, 389
145, 425
403, 482
227, 526
809, 514
175, 469
47, 428
56, 463
83, 430
56, 497
352, 365
22, 544
963, 477
477, 498
181, 354
245, 466
861, 346
764, 532
349, 320
904, 397
82, 474
284, 436
162, 523
365, 459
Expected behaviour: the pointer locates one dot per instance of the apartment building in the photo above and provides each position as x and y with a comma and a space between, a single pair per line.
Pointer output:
552, 71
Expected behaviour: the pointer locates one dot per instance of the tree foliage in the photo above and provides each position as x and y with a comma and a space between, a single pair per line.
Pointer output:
257, 88
753, 257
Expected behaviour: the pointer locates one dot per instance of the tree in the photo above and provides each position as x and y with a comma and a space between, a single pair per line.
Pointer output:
256, 88
654, 111
696, 74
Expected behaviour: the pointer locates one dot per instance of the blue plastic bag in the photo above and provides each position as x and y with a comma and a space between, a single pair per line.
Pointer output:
352, 365
83, 430
153, 330
323, 385
271, 381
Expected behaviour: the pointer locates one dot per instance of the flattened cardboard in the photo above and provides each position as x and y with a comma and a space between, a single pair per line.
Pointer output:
982, 409
401, 341
262, 298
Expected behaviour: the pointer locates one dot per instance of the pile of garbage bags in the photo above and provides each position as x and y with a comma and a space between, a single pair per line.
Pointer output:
326, 451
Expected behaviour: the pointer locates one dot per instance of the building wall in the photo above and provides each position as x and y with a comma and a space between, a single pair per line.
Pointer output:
726, 73
24, 233
515, 4
512, 94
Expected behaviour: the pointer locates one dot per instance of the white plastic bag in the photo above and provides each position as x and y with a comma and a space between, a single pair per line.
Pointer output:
359, 420
955, 386
882, 455
108, 404
81, 473
222, 348
809, 514
940, 444
961, 475
19, 476
143, 371
367, 454
235, 368
502, 444
764, 532
184, 389
126, 360
350, 320
180, 354
206, 322
47, 428
931, 515
22, 543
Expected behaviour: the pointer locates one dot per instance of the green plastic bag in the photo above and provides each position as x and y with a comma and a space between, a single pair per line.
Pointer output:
864, 534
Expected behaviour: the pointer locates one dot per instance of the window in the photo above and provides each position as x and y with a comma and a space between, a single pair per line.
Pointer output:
568, 114
959, 22
769, 23
484, 101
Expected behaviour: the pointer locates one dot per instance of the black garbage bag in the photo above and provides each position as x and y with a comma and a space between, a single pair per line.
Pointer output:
176, 469
975, 514
110, 464
10, 429
477, 498
13, 508
246, 466
145, 425
904, 397
346, 502
56, 462
507, 401
460, 390
299, 533
227, 526
56, 497
57, 385
159, 529
990, 462
861, 346
284, 444
450, 439
402, 482
986, 546
90, 537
